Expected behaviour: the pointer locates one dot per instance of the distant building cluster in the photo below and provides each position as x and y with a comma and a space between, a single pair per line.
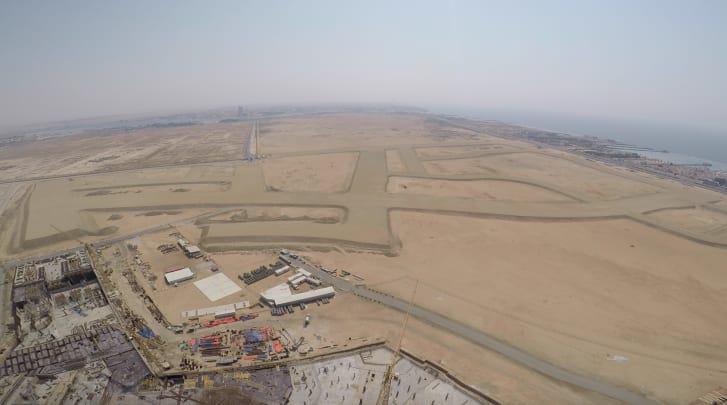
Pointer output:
697, 172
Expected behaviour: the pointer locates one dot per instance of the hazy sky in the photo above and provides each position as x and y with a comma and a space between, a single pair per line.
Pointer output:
652, 60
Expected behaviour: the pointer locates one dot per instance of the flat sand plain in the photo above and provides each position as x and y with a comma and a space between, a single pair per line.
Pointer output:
123, 149
577, 294
130, 221
579, 280
547, 169
435, 152
280, 213
478, 189
326, 173
698, 219
340, 131
721, 205
394, 162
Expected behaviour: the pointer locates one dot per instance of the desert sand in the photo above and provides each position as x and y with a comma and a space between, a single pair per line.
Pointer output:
597, 289
609, 273
547, 170
394, 162
123, 149
704, 219
326, 173
479, 189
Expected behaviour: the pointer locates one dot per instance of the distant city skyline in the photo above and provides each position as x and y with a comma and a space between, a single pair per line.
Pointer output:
652, 61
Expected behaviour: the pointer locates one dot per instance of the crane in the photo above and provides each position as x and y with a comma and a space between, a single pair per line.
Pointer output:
397, 350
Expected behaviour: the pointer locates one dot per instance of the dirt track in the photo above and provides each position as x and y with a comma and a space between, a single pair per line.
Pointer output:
368, 203
81, 205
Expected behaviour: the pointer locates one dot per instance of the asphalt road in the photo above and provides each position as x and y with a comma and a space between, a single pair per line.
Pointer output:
251, 142
482, 339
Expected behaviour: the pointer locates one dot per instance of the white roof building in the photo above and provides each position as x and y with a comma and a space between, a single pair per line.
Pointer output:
179, 276
281, 295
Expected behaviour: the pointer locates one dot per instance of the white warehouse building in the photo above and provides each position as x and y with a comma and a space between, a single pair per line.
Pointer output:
280, 295
178, 276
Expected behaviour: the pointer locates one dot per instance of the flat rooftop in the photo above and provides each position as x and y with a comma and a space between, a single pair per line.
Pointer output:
281, 295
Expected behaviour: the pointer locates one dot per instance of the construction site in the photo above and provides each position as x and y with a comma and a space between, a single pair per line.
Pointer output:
79, 342
244, 260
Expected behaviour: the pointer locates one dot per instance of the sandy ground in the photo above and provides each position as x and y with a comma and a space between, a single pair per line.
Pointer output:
721, 205
572, 293
131, 221
394, 162
328, 173
578, 294
548, 170
479, 189
458, 166
45, 222
451, 151
489, 372
702, 220
314, 133
273, 213
348, 316
105, 150
181, 187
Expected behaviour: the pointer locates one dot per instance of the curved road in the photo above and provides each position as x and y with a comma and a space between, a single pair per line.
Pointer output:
484, 340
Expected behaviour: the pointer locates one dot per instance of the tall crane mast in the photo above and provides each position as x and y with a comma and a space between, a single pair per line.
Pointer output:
397, 350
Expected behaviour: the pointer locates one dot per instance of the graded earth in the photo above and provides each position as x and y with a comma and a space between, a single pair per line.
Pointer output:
609, 273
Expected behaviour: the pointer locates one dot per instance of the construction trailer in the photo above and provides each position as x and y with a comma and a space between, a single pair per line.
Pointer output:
192, 251
224, 314
313, 281
299, 278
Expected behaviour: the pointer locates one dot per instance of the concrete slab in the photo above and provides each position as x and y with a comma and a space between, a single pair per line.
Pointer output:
217, 286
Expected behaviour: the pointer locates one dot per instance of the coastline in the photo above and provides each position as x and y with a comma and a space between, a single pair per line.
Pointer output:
647, 139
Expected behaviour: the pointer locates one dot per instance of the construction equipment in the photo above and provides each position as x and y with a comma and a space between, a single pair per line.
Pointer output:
248, 317
384, 395
297, 344
221, 321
